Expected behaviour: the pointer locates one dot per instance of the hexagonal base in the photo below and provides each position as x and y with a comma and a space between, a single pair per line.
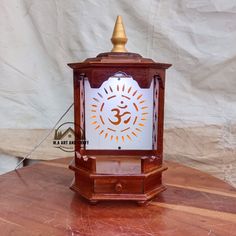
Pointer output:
137, 187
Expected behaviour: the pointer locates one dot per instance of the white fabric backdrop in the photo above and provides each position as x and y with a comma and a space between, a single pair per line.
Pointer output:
38, 39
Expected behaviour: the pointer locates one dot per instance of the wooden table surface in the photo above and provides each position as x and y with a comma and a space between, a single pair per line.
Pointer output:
36, 200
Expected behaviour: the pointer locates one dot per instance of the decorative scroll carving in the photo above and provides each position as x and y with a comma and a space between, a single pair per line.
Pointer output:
149, 163
86, 162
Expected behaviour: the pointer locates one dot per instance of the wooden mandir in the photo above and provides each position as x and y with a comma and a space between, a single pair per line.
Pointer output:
119, 116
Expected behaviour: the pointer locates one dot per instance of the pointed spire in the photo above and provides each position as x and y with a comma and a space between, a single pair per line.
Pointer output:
119, 38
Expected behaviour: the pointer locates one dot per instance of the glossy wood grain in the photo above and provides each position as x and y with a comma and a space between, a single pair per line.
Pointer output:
117, 186
36, 200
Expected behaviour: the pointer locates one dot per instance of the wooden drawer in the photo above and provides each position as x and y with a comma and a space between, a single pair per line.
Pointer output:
118, 185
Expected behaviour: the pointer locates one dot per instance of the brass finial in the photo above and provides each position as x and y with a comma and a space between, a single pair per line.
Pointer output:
119, 38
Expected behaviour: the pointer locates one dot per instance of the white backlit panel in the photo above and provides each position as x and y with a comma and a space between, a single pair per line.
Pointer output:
118, 115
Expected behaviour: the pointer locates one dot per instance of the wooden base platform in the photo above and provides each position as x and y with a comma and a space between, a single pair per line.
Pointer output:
117, 178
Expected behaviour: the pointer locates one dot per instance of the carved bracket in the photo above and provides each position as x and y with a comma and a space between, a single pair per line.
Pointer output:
149, 163
85, 162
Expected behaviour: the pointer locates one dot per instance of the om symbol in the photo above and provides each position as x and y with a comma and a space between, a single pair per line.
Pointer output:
118, 115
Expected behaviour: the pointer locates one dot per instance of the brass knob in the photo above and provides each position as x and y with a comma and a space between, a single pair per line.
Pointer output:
118, 187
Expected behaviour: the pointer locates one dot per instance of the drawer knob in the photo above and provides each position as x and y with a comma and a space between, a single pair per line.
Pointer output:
118, 188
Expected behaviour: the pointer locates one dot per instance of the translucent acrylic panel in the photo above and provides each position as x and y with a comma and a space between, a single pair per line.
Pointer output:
119, 114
